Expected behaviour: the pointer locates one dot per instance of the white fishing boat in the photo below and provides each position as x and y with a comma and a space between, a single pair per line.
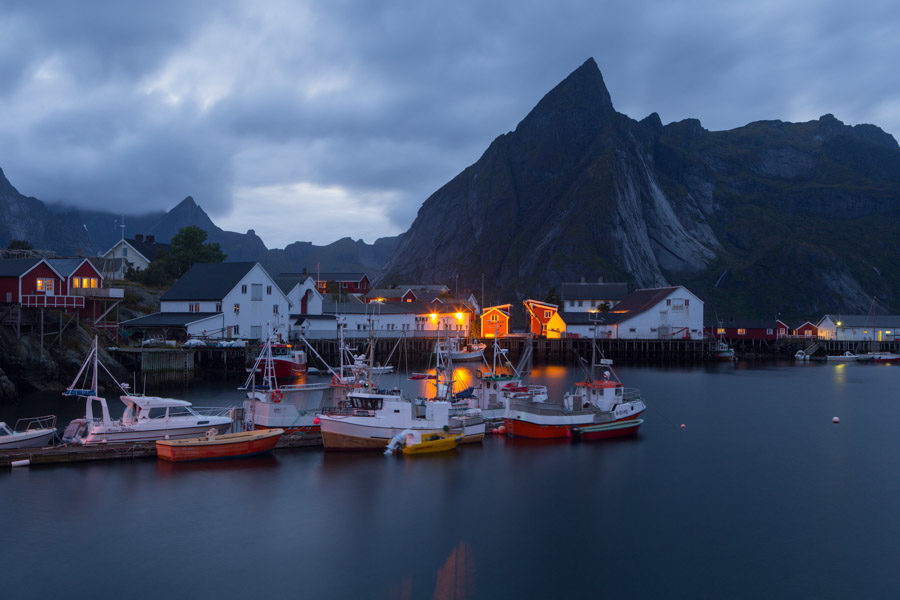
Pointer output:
842, 357
146, 418
473, 350
34, 432
368, 418
289, 407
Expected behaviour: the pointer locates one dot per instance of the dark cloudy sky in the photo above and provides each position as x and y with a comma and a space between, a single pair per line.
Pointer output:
319, 120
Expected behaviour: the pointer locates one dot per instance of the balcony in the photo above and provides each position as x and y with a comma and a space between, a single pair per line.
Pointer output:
44, 301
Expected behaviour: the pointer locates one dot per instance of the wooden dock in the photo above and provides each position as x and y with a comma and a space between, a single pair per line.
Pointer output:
73, 453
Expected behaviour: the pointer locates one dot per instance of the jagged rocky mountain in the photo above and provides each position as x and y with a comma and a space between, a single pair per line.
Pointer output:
769, 218
73, 232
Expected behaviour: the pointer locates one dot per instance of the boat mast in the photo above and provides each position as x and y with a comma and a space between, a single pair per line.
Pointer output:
94, 375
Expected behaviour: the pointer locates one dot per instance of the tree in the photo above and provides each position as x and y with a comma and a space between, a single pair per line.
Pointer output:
188, 247
20, 245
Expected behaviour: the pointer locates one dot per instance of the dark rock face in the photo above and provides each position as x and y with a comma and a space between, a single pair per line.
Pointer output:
579, 190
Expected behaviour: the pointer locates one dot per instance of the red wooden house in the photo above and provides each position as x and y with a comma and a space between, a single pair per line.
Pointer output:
495, 321
544, 320
746, 329
807, 330
34, 283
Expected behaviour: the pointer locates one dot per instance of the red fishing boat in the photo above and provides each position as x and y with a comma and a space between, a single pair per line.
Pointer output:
229, 445
289, 362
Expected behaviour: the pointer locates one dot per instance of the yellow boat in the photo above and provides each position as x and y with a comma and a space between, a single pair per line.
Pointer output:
429, 442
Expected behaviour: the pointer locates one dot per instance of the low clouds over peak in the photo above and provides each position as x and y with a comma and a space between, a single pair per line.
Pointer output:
257, 108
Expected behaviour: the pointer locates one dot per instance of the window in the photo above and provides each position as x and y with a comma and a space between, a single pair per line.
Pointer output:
237, 308
255, 291
244, 288
124, 251
768, 332
268, 290
720, 331
76, 282
742, 331
344, 284
218, 307
195, 307
493, 319
45, 285
632, 329
668, 302
687, 302
274, 309
548, 314
93, 282
237, 328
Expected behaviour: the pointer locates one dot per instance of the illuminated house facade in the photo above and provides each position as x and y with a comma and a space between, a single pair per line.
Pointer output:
495, 321
880, 328
544, 320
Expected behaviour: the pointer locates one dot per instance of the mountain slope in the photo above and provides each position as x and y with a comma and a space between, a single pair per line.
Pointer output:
773, 217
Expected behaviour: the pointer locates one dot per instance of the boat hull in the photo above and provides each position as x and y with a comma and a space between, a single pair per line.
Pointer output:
233, 445
608, 430
287, 369
151, 435
523, 427
37, 439
432, 447
344, 436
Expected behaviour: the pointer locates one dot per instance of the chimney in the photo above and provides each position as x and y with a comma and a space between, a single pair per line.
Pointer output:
139, 237
151, 239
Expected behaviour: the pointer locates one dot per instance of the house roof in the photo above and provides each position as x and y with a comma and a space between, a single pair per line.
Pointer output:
594, 291
393, 308
16, 267
643, 300
398, 292
67, 266
327, 276
540, 303
147, 249
168, 319
208, 281
892, 321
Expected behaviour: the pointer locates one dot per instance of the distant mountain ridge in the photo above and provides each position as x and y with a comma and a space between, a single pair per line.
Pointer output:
74, 232
766, 219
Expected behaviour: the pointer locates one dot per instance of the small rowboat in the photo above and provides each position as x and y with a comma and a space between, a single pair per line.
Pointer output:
606, 430
229, 445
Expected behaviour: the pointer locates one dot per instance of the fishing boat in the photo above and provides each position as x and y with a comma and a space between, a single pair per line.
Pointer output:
33, 432
290, 362
146, 418
724, 352
606, 431
500, 381
214, 446
460, 351
600, 399
842, 357
292, 407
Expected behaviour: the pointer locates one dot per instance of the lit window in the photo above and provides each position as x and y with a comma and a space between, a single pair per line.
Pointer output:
742, 332
75, 282
40, 285
547, 314
93, 282
720, 331
237, 308
85, 282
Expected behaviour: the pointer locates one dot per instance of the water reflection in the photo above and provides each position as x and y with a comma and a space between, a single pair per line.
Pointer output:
165, 468
455, 579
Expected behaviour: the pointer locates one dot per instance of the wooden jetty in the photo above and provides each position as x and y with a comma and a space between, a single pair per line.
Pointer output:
73, 453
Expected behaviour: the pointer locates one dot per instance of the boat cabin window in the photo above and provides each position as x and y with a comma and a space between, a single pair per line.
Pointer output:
157, 413
365, 403
179, 411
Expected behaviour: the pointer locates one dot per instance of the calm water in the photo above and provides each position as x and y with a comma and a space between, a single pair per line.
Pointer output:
759, 496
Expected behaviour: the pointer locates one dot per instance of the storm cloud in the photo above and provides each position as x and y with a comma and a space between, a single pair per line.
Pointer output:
315, 121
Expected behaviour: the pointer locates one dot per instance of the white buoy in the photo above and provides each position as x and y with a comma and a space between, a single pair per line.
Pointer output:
20, 463
835, 420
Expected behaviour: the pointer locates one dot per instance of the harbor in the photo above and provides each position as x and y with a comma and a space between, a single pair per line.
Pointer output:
731, 488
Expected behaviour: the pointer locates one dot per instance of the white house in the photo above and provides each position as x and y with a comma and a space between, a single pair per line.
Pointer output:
859, 328
303, 297
387, 319
135, 253
585, 297
648, 314
221, 300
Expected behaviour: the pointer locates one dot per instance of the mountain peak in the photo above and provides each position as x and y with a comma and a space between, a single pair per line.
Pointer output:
580, 102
